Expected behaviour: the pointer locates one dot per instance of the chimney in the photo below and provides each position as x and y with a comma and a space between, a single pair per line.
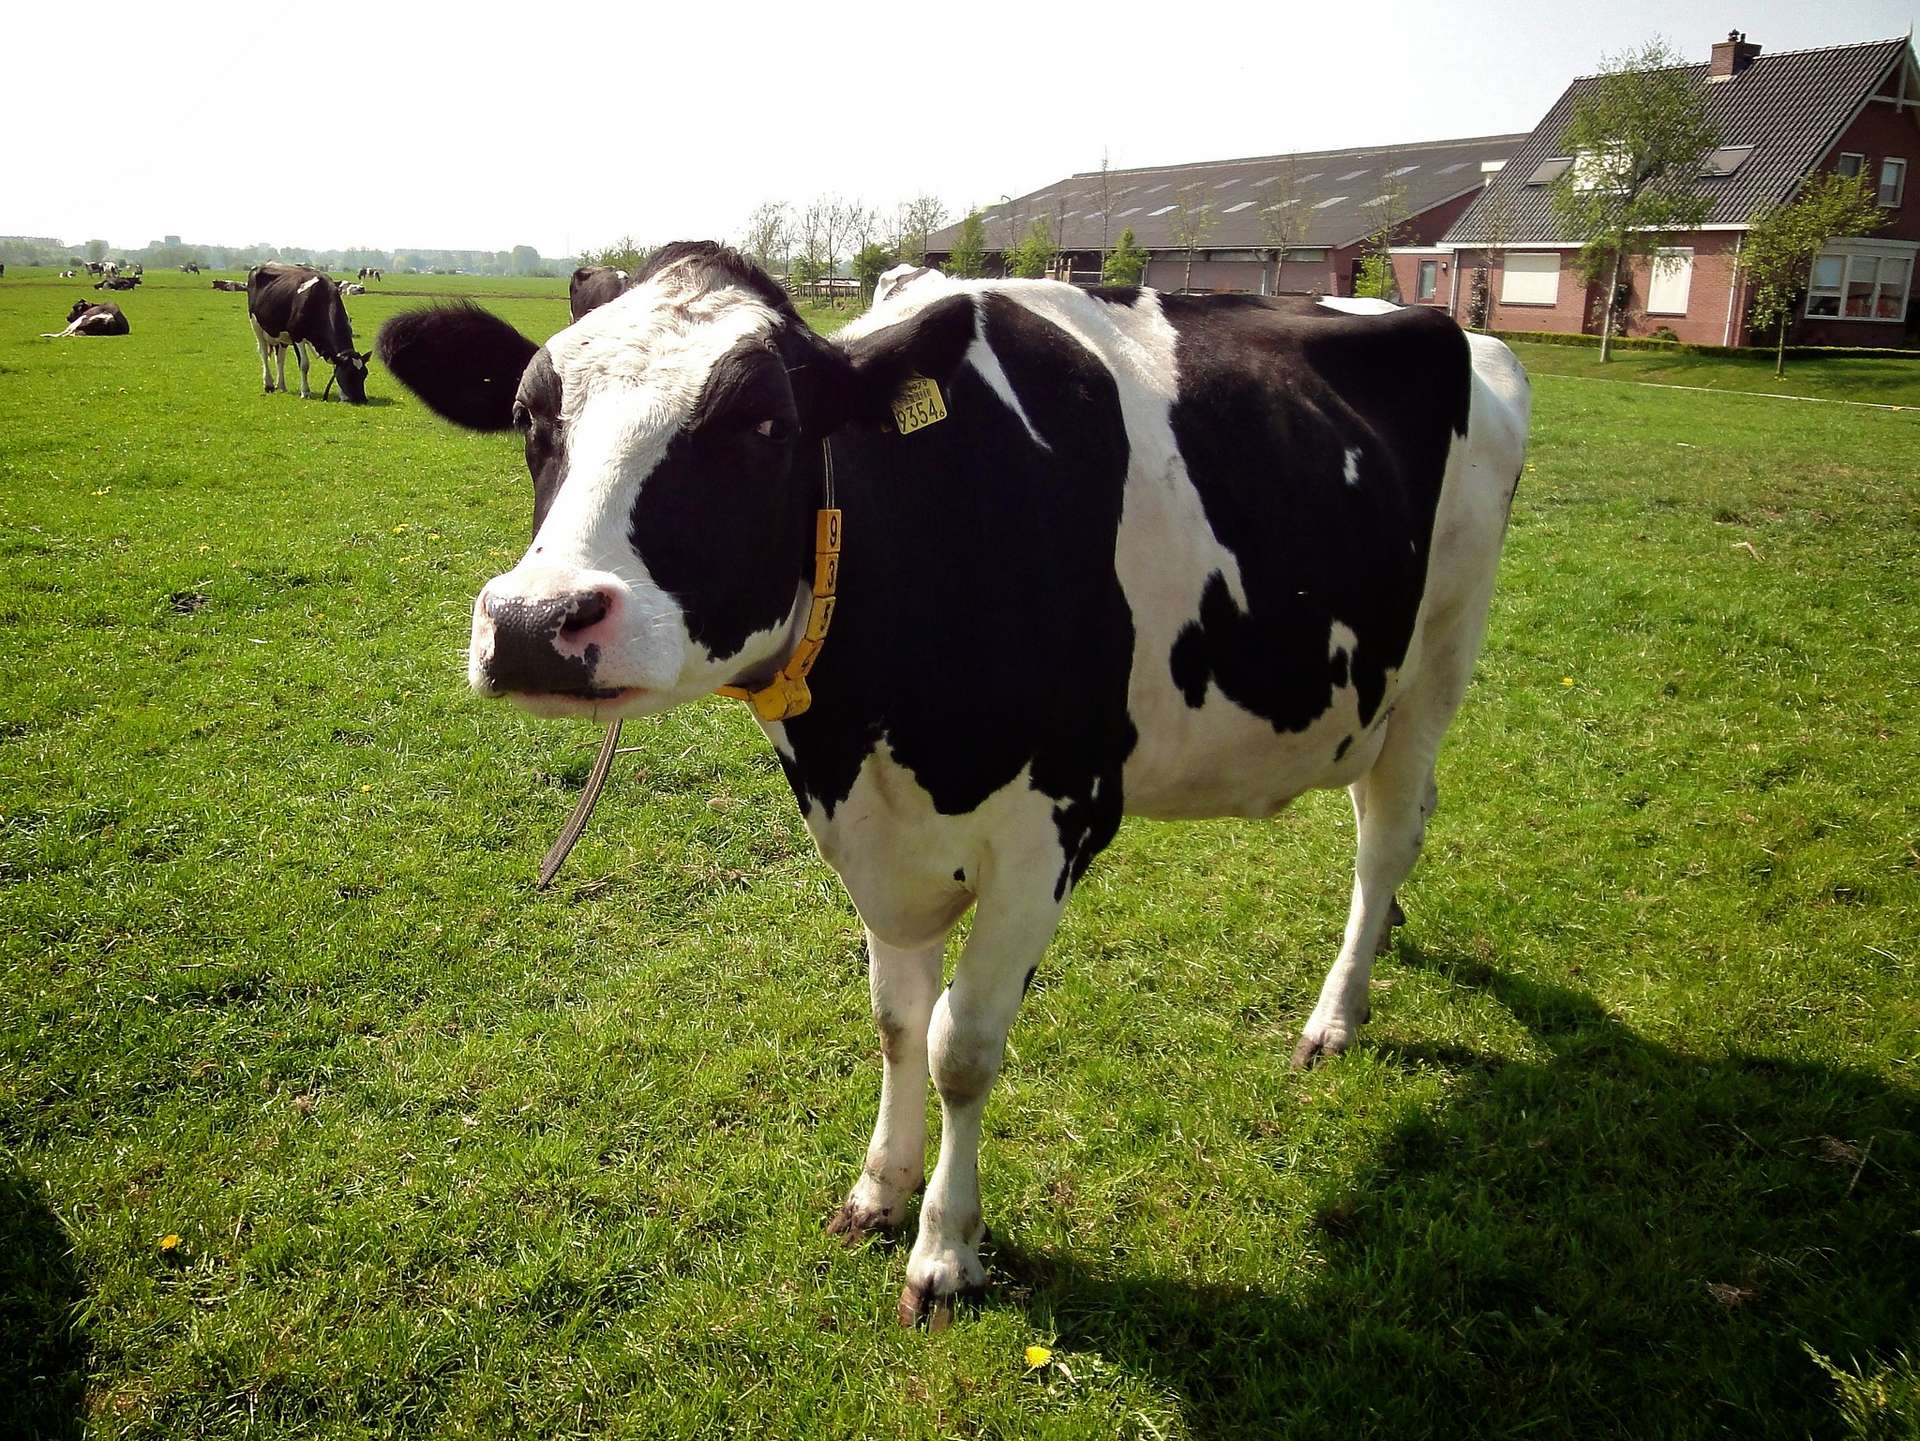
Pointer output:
1731, 56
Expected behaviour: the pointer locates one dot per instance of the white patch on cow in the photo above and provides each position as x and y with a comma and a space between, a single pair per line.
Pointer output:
307, 285
1358, 304
981, 357
631, 372
1352, 471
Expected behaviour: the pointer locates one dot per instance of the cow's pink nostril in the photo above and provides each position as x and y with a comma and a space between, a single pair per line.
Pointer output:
590, 607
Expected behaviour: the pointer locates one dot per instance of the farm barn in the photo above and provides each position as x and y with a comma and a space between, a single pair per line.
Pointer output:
1333, 195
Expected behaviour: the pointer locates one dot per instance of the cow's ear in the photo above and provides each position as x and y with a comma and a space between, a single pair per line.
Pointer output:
462, 361
932, 342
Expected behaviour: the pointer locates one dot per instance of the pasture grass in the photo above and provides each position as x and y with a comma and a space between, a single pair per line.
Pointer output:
1879, 379
1630, 1148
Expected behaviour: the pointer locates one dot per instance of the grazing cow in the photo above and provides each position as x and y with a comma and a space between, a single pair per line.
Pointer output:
298, 306
1105, 553
593, 286
367, 272
87, 318
3, 269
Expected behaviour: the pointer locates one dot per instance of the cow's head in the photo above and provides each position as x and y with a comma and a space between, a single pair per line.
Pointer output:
350, 369
674, 441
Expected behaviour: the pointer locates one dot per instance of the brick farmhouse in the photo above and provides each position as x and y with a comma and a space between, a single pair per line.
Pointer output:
1780, 118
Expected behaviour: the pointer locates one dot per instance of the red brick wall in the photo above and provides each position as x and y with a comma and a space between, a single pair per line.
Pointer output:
1567, 315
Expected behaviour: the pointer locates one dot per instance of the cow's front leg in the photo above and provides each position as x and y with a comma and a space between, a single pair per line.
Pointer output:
966, 1042
904, 983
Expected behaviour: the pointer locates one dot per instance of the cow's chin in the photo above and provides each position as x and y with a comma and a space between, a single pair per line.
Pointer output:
614, 703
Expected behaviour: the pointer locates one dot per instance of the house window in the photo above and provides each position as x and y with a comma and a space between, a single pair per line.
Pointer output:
1669, 281
1429, 282
1530, 278
1850, 163
1307, 254
1859, 285
1893, 181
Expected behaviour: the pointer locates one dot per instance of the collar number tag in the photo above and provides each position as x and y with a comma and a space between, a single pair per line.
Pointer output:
917, 404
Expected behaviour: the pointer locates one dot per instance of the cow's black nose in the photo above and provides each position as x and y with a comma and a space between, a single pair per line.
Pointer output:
525, 630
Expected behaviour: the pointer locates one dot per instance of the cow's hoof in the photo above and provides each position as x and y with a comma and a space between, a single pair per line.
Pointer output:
853, 1224
1323, 1041
934, 1312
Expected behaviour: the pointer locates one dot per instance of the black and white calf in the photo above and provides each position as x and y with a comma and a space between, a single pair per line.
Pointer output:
1163, 555
87, 318
292, 305
593, 286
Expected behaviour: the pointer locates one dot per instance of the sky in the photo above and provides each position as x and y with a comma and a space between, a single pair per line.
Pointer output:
568, 125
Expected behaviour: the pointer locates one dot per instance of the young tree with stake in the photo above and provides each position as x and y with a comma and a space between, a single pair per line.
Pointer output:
1638, 136
1784, 241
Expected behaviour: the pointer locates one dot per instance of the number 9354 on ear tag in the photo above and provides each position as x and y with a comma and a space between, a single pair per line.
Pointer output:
917, 404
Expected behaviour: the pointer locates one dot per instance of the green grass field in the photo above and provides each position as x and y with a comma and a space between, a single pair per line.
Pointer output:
1630, 1148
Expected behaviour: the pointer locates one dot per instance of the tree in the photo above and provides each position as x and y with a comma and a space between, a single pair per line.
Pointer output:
525, 260
1283, 220
1496, 226
96, 250
1103, 189
917, 219
1034, 254
763, 238
1784, 240
1125, 262
825, 226
626, 254
969, 257
1637, 137
1376, 278
870, 262
1192, 222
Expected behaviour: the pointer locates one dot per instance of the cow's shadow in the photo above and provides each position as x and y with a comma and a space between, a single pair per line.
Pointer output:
43, 1351
1621, 1238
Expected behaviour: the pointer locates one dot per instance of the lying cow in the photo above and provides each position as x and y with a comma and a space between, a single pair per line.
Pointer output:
239, 285
88, 318
352, 287
1105, 553
118, 282
593, 286
294, 305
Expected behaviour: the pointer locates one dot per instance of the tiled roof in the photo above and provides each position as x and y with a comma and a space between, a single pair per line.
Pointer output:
1338, 191
1789, 107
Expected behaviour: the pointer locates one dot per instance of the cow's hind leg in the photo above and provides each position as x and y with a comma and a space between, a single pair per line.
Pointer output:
967, 1040
300, 355
904, 983
1391, 803
266, 357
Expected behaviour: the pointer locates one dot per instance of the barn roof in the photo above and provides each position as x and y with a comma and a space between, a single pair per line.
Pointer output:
1784, 111
1337, 192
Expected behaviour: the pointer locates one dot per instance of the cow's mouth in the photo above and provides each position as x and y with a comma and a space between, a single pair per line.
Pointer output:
598, 702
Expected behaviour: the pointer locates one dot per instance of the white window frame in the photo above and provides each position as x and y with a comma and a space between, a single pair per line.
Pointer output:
1858, 158
1536, 272
1899, 190
1846, 252
1426, 279
1670, 258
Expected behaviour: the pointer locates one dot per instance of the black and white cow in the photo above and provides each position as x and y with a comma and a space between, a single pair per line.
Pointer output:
1164, 555
593, 286
87, 318
293, 305
239, 285
118, 282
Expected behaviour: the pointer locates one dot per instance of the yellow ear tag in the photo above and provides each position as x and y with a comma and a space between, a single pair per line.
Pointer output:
917, 404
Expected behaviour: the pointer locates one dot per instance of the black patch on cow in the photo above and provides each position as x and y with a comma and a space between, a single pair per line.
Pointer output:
719, 523
463, 362
1116, 294
1340, 751
536, 415
981, 626
1273, 394
1027, 984
960, 874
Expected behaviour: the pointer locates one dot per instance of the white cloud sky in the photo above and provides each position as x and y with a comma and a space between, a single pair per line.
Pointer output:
570, 124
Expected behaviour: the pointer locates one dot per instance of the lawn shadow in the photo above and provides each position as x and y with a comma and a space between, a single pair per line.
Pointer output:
1620, 1239
43, 1351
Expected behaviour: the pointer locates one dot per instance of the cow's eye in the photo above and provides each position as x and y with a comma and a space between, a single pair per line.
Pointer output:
522, 418
773, 428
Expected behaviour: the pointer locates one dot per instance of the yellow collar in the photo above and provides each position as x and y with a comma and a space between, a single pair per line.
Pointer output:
786, 695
